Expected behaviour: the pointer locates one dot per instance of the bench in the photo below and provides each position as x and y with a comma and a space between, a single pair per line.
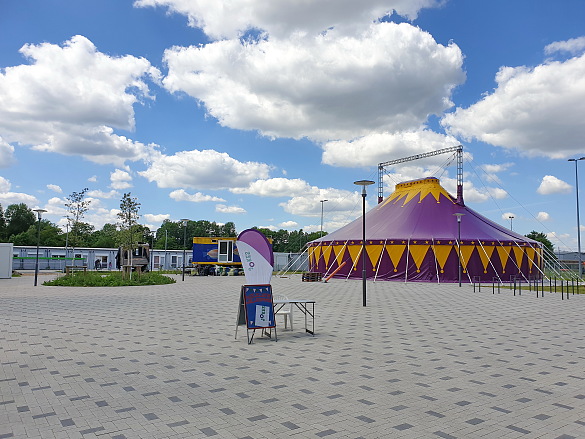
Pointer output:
71, 268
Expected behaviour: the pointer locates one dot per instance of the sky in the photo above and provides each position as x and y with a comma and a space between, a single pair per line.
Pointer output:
253, 111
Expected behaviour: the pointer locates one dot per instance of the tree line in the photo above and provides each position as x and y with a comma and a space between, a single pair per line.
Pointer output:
18, 224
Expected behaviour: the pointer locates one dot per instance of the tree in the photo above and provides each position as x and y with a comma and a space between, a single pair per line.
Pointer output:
2, 225
548, 248
19, 218
51, 235
107, 237
128, 217
76, 206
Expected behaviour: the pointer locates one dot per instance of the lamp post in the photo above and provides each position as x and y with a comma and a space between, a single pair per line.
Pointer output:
39, 214
184, 243
151, 255
459, 215
322, 202
578, 222
364, 184
511, 217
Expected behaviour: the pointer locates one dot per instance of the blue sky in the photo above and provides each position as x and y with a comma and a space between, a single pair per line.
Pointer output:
253, 111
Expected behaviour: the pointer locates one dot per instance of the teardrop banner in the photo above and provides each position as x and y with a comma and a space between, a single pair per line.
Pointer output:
256, 255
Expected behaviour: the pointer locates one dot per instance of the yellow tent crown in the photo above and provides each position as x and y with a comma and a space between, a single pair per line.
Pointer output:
423, 187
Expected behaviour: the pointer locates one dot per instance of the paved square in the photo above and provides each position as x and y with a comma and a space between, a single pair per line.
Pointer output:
420, 361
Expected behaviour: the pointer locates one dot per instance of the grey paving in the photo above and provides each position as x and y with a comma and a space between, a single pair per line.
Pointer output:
420, 361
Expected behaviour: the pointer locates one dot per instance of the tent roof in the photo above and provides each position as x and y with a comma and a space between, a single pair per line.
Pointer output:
424, 210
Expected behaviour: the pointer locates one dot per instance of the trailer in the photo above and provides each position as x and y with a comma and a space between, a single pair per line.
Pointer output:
216, 251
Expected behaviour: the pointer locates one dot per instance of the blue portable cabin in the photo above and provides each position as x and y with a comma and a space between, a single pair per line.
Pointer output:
216, 251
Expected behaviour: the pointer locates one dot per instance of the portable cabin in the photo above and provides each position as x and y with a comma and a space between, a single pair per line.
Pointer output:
216, 251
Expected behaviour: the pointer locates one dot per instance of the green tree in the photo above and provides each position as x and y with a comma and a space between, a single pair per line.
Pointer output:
128, 220
107, 237
51, 235
76, 206
2, 225
19, 218
548, 248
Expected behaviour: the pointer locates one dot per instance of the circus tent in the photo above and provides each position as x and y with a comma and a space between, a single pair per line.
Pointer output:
413, 235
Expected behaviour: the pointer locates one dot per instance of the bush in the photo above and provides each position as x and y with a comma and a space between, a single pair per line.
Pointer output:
113, 279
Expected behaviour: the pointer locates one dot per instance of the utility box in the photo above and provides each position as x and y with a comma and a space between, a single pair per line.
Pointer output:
6, 249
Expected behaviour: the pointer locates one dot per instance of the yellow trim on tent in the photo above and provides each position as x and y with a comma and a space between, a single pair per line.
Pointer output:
317, 254
339, 251
466, 251
373, 252
411, 189
311, 250
418, 253
442, 253
485, 254
504, 253
519, 254
354, 252
327, 255
530, 253
395, 252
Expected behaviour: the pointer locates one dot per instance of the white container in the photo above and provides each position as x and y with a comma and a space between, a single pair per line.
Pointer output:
6, 249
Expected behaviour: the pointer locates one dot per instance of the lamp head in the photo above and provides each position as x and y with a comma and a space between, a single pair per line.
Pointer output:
363, 184
39, 212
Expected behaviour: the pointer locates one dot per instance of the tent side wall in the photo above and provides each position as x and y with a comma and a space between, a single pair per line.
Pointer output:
428, 262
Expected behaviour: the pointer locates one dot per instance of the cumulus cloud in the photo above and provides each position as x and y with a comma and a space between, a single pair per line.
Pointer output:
552, 185
374, 148
506, 216
70, 98
55, 188
340, 202
8, 197
6, 154
275, 187
182, 195
222, 208
102, 194
537, 111
543, 216
120, 179
289, 225
156, 218
207, 169
222, 19
389, 78
572, 46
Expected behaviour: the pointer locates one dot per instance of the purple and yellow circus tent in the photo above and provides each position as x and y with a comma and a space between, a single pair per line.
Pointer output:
413, 236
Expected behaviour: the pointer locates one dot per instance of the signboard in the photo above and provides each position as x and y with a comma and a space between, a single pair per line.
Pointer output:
258, 308
256, 255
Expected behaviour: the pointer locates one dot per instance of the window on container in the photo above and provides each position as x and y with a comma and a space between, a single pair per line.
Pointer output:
226, 251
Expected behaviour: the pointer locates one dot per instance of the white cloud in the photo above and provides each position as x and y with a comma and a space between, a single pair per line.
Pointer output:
7, 197
70, 98
391, 77
222, 208
182, 195
120, 179
506, 216
572, 46
537, 111
6, 154
156, 218
275, 187
495, 168
374, 148
341, 203
102, 194
203, 169
543, 216
55, 188
93, 178
552, 185
221, 19
289, 225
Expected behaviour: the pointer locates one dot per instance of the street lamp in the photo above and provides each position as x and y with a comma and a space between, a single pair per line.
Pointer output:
511, 217
151, 255
578, 223
364, 184
322, 202
459, 215
185, 221
39, 214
